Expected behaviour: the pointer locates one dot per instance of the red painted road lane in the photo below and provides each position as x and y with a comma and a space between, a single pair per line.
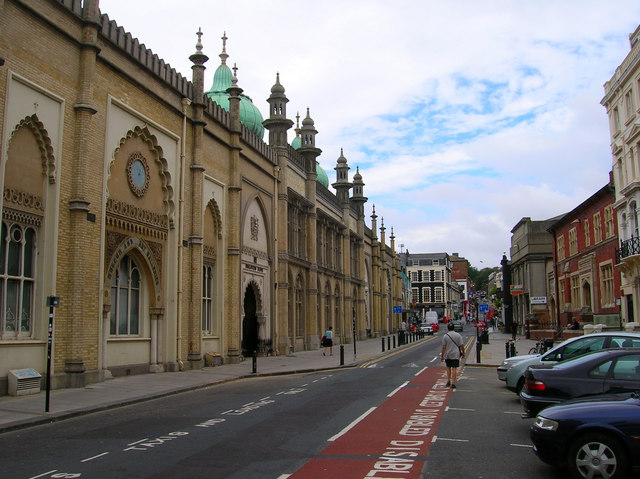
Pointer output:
393, 440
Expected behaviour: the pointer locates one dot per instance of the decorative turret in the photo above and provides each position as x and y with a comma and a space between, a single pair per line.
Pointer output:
308, 145
358, 197
342, 185
277, 123
374, 224
198, 59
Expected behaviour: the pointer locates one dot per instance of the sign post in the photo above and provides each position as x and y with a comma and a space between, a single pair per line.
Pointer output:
52, 302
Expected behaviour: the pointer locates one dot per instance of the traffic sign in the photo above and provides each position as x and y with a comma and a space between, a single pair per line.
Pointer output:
397, 309
483, 308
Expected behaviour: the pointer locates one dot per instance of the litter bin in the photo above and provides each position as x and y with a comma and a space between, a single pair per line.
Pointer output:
484, 336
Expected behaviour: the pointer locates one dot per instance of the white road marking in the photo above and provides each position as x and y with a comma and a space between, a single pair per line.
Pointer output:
411, 365
397, 389
451, 440
513, 412
356, 421
284, 476
434, 359
45, 474
458, 409
94, 457
521, 445
423, 369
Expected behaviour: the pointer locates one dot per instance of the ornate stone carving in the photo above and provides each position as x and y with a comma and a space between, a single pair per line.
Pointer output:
255, 228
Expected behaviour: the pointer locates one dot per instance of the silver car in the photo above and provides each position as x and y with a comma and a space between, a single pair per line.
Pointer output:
570, 348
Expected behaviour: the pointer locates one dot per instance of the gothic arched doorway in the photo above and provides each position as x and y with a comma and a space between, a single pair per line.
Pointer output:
250, 323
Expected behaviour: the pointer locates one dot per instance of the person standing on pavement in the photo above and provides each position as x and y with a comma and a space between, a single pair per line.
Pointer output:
328, 341
452, 351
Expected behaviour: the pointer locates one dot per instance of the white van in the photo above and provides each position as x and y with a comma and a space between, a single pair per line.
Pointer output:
431, 317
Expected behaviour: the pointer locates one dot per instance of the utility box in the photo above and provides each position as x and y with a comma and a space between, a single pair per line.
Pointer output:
23, 382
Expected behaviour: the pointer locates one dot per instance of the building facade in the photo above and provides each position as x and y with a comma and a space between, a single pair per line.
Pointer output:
432, 285
622, 101
152, 207
531, 256
460, 274
585, 243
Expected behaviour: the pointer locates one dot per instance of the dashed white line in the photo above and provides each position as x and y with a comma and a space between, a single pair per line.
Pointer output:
458, 409
397, 389
449, 439
419, 372
94, 457
346, 429
435, 358
521, 445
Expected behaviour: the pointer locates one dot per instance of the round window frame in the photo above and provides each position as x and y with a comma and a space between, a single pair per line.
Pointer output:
137, 156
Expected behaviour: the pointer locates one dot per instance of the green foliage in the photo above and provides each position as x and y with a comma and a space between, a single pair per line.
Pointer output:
480, 278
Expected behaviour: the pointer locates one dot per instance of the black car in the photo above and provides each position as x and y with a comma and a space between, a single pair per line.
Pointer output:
598, 438
602, 372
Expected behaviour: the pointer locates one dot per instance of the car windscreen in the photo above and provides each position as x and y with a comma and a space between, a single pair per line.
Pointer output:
576, 348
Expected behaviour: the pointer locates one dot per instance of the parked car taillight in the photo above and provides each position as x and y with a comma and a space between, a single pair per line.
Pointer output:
535, 385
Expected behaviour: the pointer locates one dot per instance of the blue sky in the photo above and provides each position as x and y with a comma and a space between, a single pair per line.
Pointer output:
463, 117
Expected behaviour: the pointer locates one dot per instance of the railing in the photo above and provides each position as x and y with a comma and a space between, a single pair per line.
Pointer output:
628, 248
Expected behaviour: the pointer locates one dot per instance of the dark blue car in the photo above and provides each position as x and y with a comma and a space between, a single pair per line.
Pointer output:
599, 438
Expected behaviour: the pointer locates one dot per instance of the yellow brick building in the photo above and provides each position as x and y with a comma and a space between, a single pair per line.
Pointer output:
172, 233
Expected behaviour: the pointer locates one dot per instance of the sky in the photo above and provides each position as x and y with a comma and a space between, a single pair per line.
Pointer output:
462, 116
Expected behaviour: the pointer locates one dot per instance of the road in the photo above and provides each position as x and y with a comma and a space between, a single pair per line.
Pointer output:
388, 419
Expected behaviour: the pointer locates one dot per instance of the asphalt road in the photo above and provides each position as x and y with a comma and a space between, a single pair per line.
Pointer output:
271, 427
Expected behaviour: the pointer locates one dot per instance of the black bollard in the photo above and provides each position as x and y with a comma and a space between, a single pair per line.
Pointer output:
506, 350
389, 343
478, 349
383, 345
255, 362
341, 355
394, 341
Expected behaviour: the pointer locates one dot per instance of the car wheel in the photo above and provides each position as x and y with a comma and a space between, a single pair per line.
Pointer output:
520, 385
597, 455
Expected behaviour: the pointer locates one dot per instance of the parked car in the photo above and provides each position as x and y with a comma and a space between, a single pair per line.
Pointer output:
607, 371
427, 328
571, 348
597, 438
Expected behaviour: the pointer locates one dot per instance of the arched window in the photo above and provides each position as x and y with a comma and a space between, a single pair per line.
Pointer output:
125, 299
17, 280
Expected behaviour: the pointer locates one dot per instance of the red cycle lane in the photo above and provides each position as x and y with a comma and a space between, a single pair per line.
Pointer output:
393, 440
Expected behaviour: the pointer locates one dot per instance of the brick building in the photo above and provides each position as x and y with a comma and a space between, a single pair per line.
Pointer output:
154, 209
587, 281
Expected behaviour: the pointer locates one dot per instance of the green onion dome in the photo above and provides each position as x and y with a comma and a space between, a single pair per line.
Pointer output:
323, 178
250, 116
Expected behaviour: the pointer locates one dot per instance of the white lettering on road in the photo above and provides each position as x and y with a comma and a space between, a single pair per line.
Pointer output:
252, 406
146, 443
211, 422
398, 458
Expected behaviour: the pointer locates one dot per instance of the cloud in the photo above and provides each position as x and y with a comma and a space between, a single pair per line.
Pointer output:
463, 117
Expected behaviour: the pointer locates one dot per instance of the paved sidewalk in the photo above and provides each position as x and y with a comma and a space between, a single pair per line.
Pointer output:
25, 411
492, 354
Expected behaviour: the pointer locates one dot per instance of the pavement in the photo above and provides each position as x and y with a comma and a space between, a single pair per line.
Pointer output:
25, 411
